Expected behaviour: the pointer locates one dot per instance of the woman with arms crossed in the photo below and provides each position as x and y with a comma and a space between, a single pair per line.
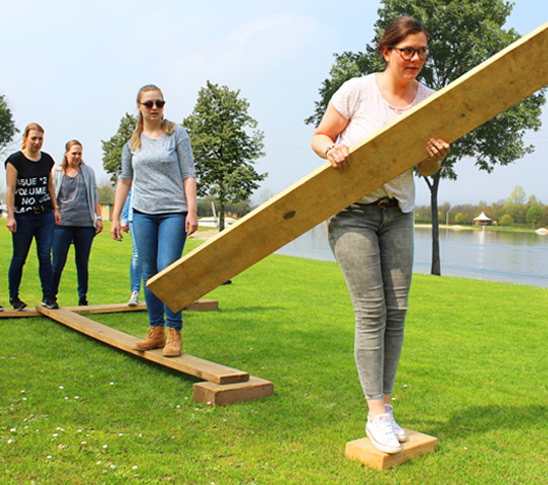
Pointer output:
158, 163
32, 212
372, 239
80, 211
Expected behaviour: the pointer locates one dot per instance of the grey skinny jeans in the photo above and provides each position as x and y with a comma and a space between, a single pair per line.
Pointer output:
374, 249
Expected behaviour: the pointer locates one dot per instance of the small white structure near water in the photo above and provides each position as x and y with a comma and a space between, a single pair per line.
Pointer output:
483, 220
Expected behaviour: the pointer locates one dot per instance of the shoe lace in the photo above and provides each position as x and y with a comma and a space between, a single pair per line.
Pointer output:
385, 426
170, 335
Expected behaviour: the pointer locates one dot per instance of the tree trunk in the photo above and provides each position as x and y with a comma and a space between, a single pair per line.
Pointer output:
433, 186
221, 215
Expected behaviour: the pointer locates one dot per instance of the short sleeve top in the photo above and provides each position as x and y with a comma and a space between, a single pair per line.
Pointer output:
360, 101
31, 190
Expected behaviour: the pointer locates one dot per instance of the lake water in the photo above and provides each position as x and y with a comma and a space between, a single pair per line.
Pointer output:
512, 257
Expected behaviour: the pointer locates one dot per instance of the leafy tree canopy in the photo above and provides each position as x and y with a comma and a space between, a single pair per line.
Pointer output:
7, 124
225, 142
112, 148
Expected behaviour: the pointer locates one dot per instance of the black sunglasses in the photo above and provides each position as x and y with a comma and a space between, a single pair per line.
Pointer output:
160, 103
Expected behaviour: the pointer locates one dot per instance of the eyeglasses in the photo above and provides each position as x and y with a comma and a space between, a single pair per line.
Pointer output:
160, 103
407, 53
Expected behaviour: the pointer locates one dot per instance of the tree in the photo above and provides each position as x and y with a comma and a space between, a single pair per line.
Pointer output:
462, 34
112, 148
534, 215
515, 204
106, 191
7, 125
225, 143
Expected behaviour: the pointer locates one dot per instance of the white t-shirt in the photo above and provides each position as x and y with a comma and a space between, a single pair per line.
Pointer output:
360, 101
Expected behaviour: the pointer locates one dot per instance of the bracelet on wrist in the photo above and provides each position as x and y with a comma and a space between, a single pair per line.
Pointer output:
326, 151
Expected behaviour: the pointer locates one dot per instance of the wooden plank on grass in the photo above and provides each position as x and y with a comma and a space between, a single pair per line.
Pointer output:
204, 304
194, 366
492, 87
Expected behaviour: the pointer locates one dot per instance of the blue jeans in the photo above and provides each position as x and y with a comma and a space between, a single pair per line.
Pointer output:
374, 249
160, 241
135, 265
40, 227
82, 237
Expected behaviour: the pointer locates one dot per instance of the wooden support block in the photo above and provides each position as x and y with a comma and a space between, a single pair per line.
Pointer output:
185, 363
220, 395
460, 107
199, 305
362, 450
203, 305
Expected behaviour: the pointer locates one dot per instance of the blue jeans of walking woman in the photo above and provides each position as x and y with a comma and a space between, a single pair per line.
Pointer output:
29, 226
160, 241
374, 249
82, 237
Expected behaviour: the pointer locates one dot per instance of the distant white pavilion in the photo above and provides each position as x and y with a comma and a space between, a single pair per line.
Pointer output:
483, 220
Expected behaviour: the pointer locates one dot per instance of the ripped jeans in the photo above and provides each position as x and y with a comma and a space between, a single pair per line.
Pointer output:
374, 249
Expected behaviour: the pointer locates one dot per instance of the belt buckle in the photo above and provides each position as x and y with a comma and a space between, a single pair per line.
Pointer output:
384, 203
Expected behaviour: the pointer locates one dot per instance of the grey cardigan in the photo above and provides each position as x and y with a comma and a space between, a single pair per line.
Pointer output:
91, 187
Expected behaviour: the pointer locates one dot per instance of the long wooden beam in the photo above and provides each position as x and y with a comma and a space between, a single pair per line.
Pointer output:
200, 305
188, 364
508, 77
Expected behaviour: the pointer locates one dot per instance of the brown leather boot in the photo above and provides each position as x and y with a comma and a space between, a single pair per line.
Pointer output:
174, 343
155, 339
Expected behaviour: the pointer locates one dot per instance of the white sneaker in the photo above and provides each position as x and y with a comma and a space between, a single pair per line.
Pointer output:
134, 300
398, 430
382, 435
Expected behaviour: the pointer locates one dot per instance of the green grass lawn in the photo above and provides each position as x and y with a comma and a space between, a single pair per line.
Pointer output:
473, 373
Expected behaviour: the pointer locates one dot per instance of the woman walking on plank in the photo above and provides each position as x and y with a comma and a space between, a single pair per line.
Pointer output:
158, 163
372, 239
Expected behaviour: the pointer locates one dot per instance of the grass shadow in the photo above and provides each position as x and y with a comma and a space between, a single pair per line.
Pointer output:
484, 419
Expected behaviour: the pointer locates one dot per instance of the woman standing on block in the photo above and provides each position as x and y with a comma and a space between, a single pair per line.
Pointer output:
32, 212
80, 210
372, 239
158, 163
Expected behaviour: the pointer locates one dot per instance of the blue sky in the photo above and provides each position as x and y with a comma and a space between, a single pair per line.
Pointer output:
75, 67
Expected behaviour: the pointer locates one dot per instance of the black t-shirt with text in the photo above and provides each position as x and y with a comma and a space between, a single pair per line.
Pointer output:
31, 191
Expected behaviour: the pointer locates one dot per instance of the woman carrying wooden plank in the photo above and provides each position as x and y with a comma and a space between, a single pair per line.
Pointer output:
372, 239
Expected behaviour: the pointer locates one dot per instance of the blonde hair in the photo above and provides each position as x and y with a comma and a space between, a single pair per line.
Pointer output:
68, 146
167, 126
30, 126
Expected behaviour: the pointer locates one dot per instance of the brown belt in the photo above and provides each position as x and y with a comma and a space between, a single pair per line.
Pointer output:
385, 202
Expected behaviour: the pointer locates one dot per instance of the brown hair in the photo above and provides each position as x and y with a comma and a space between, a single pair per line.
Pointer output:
397, 30
68, 146
167, 126
30, 126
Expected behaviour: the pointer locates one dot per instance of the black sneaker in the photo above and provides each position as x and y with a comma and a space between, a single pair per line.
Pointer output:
50, 302
17, 304
82, 302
